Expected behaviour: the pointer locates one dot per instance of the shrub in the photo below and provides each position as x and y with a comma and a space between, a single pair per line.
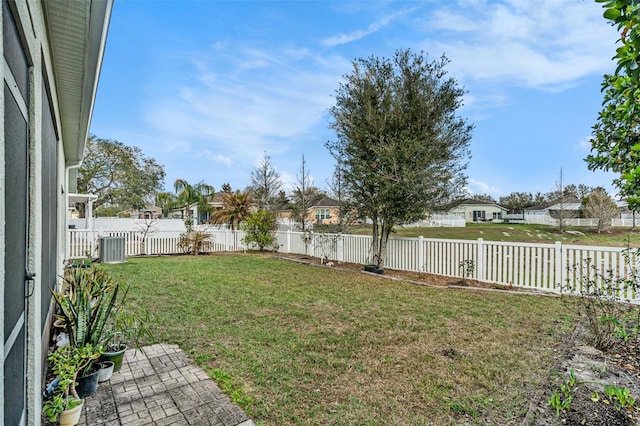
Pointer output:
260, 227
599, 299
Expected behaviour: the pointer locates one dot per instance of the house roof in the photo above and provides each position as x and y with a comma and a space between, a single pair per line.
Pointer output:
77, 34
471, 202
325, 202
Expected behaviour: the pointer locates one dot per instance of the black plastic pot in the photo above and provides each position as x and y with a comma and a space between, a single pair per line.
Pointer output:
87, 385
374, 269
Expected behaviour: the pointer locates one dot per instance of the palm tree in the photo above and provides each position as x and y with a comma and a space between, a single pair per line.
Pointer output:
236, 206
166, 201
188, 195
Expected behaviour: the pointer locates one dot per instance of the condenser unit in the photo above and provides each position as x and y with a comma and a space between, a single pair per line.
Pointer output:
111, 249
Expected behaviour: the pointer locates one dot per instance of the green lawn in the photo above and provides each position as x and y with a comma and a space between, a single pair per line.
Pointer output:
512, 232
296, 344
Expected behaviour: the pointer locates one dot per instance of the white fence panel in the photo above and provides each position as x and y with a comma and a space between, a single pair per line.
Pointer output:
586, 262
403, 254
162, 242
81, 243
625, 222
545, 267
129, 224
443, 257
357, 249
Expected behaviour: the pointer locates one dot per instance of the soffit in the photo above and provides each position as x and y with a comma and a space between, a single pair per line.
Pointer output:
77, 33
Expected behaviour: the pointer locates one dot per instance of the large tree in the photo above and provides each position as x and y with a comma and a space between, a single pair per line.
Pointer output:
120, 175
302, 196
600, 206
401, 146
615, 144
265, 182
337, 191
516, 202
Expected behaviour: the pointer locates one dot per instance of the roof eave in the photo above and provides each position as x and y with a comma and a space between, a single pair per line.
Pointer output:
77, 33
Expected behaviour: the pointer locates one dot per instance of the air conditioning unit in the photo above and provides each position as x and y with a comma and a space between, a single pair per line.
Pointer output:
111, 249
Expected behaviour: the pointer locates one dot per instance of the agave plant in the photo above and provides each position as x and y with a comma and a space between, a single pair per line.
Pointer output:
88, 303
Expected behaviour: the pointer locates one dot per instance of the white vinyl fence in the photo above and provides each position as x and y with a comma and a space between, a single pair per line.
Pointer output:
537, 266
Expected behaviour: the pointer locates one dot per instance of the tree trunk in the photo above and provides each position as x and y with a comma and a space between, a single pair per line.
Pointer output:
374, 241
384, 240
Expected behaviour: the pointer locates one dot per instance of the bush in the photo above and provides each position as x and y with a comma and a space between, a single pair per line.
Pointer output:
260, 228
600, 300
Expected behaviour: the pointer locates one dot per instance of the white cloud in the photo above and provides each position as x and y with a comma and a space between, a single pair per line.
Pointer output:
239, 111
358, 34
584, 144
478, 187
216, 157
548, 45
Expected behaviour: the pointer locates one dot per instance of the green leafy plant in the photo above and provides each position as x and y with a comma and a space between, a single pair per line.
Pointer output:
259, 228
467, 267
66, 362
620, 396
561, 399
616, 135
130, 328
87, 301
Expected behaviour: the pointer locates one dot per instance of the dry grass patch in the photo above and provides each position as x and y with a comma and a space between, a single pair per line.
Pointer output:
295, 344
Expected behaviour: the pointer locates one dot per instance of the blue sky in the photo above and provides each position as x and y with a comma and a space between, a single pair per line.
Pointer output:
207, 87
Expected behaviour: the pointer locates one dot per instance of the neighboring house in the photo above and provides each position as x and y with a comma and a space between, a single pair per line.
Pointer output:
198, 216
324, 211
568, 208
149, 212
52, 56
475, 210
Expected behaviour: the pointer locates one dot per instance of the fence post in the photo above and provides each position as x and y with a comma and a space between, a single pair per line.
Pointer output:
340, 248
288, 246
560, 265
67, 246
421, 259
480, 261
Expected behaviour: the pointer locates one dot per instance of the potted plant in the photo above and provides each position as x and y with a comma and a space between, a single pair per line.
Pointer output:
92, 307
64, 403
87, 304
87, 378
128, 328
106, 371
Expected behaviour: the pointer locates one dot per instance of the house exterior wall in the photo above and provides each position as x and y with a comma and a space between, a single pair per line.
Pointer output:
46, 172
314, 211
466, 211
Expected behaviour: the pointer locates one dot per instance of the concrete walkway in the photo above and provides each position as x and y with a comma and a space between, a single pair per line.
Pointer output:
160, 386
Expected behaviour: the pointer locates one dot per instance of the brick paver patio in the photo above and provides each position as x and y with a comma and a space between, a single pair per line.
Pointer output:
160, 386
